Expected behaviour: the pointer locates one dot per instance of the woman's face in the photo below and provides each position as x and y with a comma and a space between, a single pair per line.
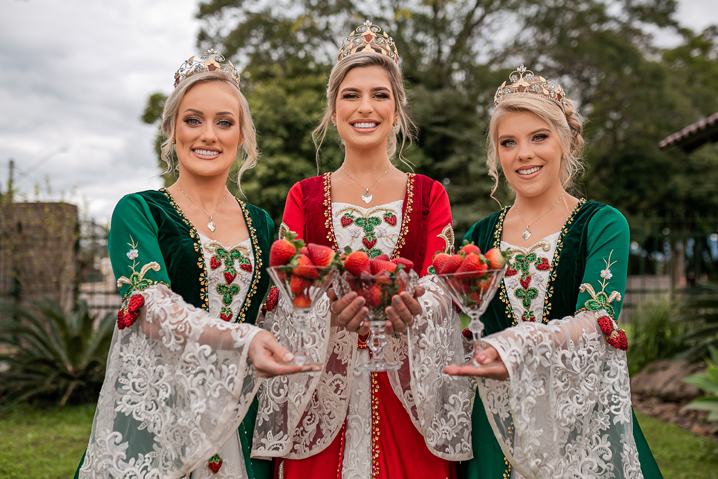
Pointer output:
365, 112
207, 132
530, 154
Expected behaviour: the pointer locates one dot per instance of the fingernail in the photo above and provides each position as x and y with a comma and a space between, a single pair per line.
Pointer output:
397, 300
405, 295
359, 302
352, 295
363, 312
288, 357
482, 358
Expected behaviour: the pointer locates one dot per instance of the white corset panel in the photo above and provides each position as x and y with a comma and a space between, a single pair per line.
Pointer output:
527, 277
374, 230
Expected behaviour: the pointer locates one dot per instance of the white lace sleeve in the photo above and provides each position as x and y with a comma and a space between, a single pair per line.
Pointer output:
178, 383
566, 409
439, 405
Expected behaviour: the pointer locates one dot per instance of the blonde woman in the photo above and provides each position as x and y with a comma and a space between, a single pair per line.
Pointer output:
555, 394
345, 423
190, 261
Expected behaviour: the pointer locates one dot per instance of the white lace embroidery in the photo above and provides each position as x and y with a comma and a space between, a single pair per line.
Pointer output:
315, 406
565, 412
177, 386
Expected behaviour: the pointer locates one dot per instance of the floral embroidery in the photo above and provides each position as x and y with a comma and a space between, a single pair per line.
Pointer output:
522, 260
132, 254
236, 256
600, 304
132, 302
367, 227
447, 234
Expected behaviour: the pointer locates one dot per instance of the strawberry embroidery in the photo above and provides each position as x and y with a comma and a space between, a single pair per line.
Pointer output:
525, 282
214, 463
127, 315
214, 262
246, 267
542, 264
229, 276
347, 220
226, 314
272, 298
390, 218
368, 243
510, 272
528, 316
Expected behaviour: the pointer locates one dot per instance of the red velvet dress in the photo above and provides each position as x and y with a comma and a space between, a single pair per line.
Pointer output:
398, 449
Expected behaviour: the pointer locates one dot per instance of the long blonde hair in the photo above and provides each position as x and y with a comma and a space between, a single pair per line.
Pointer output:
247, 155
404, 126
566, 126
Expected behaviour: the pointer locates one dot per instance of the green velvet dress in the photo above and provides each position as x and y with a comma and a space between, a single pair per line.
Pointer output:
592, 234
154, 229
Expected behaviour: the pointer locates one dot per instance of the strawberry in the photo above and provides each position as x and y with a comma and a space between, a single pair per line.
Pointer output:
373, 296
390, 218
382, 257
284, 249
378, 265
606, 325
136, 302
246, 267
467, 334
272, 298
543, 265
320, 255
123, 321
472, 264
408, 264
496, 258
214, 262
452, 264
618, 340
299, 285
225, 316
229, 277
347, 220
357, 263
439, 261
383, 277
469, 248
214, 463
303, 266
368, 243
304, 251
302, 301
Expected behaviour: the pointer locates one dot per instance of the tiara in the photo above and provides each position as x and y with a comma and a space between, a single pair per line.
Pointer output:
368, 38
209, 61
524, 81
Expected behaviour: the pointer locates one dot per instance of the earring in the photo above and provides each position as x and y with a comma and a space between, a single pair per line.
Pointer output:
334, 122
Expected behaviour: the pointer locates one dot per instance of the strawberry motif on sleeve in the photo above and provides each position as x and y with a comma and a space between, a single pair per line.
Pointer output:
132, 301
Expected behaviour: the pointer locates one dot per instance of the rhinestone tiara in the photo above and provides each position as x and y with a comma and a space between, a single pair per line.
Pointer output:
209, 61
368, 38
524, 81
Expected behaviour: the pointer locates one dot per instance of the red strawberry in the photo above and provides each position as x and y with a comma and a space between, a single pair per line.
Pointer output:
136, 302
369, 244
378, 265
543, 265
302, 301
303, 266
214, 262
390, 219
467, 334
281, 252
304, 251
470, 248
472, 264
373, 296
347, 220
357, 263
214, 463
496, 258
272, 298
511, 272
299, 285
246, 267
226, 316
408, 264
439, 261
606, 325
229, 277
383, 277
122, 319
320, 255
452, 264
525, 282
382, 257
618, 340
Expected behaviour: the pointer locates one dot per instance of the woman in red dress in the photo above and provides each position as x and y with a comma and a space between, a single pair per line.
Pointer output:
344, 423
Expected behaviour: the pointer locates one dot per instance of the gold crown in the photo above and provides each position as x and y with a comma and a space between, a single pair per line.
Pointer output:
209, 61
524, 81
368, 38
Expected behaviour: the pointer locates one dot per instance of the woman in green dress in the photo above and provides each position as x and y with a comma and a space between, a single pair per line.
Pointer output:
185, 360
553, 383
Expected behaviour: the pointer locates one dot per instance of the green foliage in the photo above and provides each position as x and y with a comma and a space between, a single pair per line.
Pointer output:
55, 355
700, 310
708, 382
654, 332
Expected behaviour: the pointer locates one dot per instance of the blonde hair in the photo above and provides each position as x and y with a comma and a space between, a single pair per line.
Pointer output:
566, 126
248, 155
404, 125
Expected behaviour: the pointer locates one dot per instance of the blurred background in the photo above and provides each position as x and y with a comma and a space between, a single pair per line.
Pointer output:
82, 89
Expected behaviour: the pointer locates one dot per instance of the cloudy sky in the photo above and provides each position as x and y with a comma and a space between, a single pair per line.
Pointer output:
75, 75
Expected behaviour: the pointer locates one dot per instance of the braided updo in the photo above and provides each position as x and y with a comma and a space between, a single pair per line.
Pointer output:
567, 127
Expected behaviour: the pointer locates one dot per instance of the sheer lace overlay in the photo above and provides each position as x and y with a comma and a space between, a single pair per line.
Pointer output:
178, 383
313, 407
565, 411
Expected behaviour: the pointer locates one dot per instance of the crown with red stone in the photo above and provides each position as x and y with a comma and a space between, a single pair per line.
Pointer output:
524, 81
368, 38
209, 61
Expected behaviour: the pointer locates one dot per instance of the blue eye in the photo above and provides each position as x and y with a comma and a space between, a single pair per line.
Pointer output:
540, 137
508, 143
192, 121
225, 123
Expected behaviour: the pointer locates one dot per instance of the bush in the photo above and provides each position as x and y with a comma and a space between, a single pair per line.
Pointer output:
655, 332
700, 309
54, 356
707, 382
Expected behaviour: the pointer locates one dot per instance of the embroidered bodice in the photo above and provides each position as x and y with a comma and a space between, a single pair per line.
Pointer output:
527, 277
373, 230
229, 275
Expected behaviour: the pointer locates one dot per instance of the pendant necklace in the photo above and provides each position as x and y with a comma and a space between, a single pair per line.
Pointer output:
366, 197
527, 234
211, 225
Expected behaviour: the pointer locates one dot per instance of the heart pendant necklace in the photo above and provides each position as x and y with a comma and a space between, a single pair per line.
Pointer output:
212, 226
527, 234
366, 197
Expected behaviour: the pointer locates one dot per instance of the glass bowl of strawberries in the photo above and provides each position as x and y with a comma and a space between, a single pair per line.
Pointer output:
302, 274
377, 280
471, 279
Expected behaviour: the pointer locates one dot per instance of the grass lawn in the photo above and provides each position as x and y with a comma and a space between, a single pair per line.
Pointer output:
48, 444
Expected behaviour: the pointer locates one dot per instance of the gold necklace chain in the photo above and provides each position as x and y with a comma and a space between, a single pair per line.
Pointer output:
211, 225
366, 197
527, 234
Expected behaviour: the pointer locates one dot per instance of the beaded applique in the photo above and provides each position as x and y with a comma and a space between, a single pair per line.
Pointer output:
527, 285
131, 301
224, 281
368, 227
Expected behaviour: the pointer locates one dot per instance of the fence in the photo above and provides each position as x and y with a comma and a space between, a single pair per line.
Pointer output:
97, 283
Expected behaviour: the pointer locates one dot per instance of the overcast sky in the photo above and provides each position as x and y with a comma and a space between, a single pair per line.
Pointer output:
76, 74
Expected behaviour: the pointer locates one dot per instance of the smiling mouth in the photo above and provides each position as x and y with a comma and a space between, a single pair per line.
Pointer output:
365, 125
528, 171
206, 152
